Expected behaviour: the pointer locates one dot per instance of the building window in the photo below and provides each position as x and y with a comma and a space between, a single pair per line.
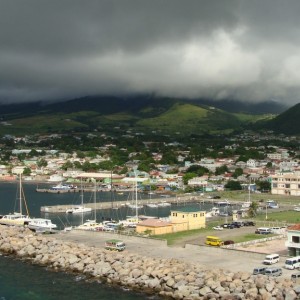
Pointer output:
182, 216
295, 239
287, 185
274, 185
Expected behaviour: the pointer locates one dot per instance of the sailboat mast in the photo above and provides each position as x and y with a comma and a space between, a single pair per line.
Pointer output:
95, 198
20, 195
136, 203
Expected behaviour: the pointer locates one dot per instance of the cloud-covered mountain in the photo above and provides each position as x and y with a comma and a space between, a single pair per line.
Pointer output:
234, 49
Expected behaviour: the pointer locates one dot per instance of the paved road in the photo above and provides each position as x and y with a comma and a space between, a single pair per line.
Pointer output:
210, 257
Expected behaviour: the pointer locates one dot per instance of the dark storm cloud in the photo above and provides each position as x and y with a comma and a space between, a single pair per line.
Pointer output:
220, 49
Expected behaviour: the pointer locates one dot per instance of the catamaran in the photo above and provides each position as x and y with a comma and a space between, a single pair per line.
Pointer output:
17, 218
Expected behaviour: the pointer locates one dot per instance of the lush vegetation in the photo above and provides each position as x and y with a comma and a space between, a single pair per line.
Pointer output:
143, 113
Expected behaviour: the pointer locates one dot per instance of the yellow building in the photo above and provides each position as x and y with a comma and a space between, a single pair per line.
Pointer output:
187, 219
180, 220
154, 227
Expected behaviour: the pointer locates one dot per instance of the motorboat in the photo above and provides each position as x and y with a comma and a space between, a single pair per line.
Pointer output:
15, 219
78, 210
63, 187
91, 225
41, 225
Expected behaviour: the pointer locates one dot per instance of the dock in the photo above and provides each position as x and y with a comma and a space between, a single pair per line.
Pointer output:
119, 204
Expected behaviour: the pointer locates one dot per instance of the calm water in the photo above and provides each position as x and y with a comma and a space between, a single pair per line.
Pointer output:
19, 280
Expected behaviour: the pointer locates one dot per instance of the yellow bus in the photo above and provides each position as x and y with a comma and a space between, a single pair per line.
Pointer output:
213, 241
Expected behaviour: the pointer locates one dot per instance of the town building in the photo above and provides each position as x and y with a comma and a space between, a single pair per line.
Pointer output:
180, 220
293, 240
286, 184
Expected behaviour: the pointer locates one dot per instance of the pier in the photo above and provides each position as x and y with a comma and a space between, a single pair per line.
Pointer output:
118, 204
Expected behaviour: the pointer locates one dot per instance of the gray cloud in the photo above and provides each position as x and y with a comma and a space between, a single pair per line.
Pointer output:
238, 49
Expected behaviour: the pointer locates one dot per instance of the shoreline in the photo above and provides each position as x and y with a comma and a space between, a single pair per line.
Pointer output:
166, 277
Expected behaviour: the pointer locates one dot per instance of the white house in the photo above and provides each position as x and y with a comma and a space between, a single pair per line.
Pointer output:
293, 240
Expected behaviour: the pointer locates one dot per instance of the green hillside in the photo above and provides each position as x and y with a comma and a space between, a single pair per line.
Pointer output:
143, 113
287, 122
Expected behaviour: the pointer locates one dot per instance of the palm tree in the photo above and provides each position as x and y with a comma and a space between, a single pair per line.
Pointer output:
253, 209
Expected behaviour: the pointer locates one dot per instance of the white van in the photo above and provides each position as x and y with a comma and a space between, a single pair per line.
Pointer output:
263, 230
271, 259
292, 263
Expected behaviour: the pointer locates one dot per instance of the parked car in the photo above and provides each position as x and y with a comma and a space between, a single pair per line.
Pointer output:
227, 225
228, 242
249, 223
236, 224
218, 228
259, 270
274, 272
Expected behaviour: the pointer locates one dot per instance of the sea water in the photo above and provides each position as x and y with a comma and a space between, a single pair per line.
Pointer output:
21, 280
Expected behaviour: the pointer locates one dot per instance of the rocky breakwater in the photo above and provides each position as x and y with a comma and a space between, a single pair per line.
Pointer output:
169, 278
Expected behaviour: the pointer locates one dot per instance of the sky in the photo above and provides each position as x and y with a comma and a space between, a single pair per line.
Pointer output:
217, 49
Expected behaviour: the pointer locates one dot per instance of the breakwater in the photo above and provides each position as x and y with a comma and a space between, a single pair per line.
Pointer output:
170, 278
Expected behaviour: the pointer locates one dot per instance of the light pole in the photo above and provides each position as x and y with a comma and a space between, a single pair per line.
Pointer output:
266, 211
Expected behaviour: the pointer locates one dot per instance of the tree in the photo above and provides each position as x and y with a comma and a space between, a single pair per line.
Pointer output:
187, 176
26, 171
253, 209
237, 172
233, 185
264, 186
42, 163
221, 170
67, 165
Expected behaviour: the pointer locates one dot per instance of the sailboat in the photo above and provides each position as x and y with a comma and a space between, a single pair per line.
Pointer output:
92, 225
79, 209
17, 218
20, 219
133, 220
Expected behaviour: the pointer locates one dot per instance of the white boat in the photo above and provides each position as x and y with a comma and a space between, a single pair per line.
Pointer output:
63, 187
41, 225
91, 225
215, 211
78, 210
297, 208
17, 218
151, 205
134, 206
163, 204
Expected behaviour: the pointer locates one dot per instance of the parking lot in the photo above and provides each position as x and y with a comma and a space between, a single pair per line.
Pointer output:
242, 259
